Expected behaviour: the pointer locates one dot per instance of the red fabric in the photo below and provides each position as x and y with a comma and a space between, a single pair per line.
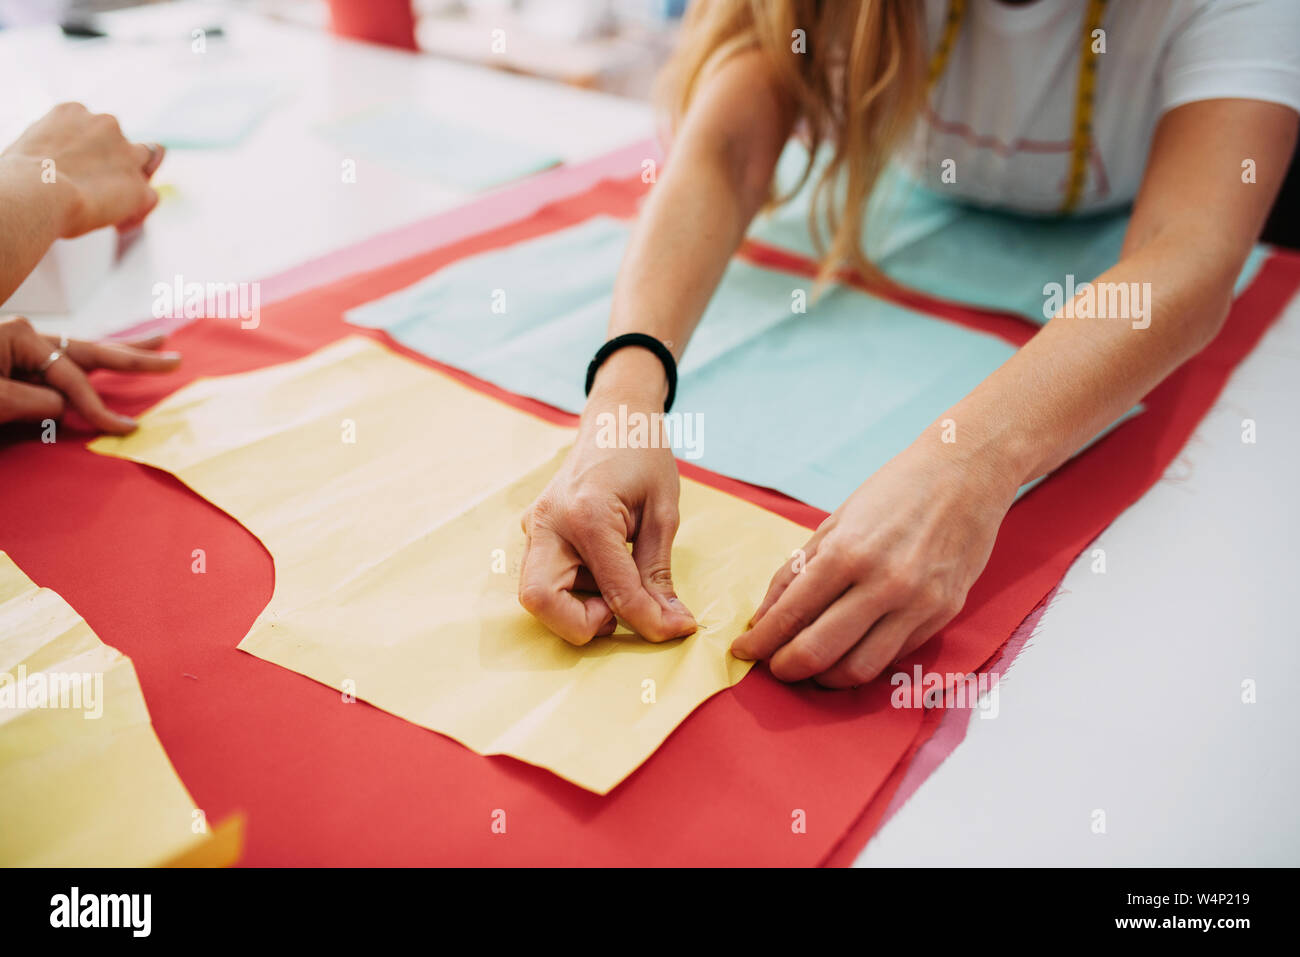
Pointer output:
324, 782
389, 22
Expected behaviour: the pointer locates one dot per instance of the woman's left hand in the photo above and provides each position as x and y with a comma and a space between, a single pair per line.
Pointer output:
888, 569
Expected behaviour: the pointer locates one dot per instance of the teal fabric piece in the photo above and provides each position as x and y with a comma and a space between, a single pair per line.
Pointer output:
961, 253
423, 146
808, 403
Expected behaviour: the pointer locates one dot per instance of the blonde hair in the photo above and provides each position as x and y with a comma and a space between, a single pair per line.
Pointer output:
859, 83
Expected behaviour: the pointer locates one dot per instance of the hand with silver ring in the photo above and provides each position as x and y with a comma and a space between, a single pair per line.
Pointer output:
56, 355
41, 376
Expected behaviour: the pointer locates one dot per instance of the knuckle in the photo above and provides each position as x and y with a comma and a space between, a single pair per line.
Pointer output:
898, 583
788, 622
533, 596
539, 510
868, 669
951, 607
798, 663
834, 552
858, 559
659, 576
618, 600
933, 592
667, 516
587, 508
541, 516
130, 361
847, 676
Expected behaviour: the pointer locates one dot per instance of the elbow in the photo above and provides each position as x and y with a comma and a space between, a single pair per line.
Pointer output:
1216, 320
1209, 322
751, 166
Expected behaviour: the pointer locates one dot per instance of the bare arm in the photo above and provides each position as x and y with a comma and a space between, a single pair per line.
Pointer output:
32, 221
602, 498
70, 172
1193, 225
695, 218
894, 563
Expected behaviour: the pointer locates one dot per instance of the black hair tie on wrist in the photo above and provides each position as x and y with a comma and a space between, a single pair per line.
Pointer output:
645, 342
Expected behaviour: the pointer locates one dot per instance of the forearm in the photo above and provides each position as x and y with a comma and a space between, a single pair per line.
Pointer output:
32, 214
1078, 375
688, 230
695, 217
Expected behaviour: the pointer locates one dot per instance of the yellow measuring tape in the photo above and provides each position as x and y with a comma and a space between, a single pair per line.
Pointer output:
1081, 143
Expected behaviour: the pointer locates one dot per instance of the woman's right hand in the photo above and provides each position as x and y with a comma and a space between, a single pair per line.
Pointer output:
578, 529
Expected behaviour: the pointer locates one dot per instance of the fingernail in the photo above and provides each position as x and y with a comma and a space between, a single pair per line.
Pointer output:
170, 355
678, 607
741, 654
129, 422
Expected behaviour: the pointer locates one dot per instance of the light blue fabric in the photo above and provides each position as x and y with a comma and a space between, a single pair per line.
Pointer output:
413, 142
960, 253
810, 404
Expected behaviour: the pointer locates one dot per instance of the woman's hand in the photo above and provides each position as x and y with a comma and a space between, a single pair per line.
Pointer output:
34, 388
97, 176
579, 527
882, 574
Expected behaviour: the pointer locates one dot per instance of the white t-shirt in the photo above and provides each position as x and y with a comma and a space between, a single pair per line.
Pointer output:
1003, 110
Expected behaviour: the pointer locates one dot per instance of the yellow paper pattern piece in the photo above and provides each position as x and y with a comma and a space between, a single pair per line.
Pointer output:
389, 497
85, 783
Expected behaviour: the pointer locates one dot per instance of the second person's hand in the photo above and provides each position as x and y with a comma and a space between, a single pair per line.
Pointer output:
42, 376
100, 178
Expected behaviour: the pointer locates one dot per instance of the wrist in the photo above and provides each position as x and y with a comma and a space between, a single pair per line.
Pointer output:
631, 376
989, 462
39, 186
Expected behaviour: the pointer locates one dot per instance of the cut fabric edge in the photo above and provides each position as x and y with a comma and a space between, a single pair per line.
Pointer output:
220, 847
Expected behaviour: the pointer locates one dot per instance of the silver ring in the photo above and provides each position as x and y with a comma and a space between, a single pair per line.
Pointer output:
63, 342
52, 358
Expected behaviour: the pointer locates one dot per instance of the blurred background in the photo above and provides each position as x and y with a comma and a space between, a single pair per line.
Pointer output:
610, 45
295, 128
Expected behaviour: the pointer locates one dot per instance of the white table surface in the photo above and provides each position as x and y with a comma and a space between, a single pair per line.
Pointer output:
1129, 697
278, 198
